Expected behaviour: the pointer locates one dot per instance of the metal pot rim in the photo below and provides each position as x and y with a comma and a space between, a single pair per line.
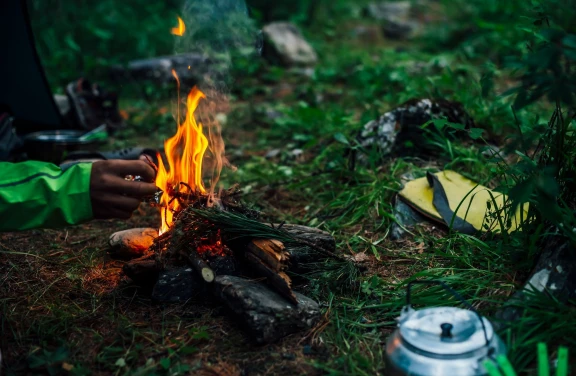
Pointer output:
58, 137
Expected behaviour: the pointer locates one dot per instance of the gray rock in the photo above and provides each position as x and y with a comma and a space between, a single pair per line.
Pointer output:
285, 44
554, 274
400, 29
492, 151
395, 18
263, 313
386, 11
177, 286
189, 67
62, 103
131, 243
273, 153
405, 217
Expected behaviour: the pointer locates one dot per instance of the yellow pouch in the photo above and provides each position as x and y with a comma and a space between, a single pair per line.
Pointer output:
440, 195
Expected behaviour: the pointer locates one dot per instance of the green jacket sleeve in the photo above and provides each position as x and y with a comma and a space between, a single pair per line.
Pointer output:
38, 194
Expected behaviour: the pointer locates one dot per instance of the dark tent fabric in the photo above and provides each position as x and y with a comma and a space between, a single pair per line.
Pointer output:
24, 90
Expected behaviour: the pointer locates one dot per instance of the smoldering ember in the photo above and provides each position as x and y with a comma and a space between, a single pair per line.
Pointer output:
242, 187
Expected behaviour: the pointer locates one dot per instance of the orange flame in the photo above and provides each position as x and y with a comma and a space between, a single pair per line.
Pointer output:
184, 154
180, 29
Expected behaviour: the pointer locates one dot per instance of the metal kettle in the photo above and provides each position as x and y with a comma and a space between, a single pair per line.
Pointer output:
441, 340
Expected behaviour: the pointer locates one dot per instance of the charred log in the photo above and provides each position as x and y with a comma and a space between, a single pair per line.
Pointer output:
262, 312
277, 280
178, 285
199, 265
324, 246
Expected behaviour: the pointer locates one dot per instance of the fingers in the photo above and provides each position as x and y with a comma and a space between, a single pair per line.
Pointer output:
133, 188
106, 205
114, 197
123, 203
122, 168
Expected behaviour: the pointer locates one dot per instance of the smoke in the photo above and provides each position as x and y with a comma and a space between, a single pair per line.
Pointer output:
219, 31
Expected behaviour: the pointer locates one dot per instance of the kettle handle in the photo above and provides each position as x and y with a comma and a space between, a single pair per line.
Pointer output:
454, 293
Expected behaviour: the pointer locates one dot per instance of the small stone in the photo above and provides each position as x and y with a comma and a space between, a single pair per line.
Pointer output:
285, 44
395, 17
176, 286
62, 103
492, 151
265, 314
189, 67
400, 29
296, 153
132, 243
273, 153
385, 11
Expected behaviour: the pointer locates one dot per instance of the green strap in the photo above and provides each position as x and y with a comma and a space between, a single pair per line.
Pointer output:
442, 205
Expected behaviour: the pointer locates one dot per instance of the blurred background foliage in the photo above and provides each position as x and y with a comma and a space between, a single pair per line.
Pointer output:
85, 37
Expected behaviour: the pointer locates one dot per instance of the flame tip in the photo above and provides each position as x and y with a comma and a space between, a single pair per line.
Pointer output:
180, 29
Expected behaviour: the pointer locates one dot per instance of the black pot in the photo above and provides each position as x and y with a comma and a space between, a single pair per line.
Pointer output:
53, 146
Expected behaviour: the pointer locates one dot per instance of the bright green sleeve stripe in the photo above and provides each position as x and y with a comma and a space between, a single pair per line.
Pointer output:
37, 194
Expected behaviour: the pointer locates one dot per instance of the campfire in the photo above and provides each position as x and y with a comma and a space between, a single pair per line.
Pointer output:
210, 245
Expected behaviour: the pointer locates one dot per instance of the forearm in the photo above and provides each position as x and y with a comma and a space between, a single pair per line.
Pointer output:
37, 194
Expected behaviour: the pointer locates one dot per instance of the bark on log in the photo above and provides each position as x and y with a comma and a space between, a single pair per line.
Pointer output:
199, 265
319, 238
262, 312
178, 285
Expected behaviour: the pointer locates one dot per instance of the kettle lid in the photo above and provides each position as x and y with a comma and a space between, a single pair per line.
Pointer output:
444, 330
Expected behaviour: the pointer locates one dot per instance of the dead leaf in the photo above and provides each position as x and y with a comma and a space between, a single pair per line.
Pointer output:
67, 366
360, 257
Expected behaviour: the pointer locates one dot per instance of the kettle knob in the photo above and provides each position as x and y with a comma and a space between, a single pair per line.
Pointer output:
446, 330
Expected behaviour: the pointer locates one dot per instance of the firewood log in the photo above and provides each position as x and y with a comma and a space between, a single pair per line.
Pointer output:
312, 235
270, 251
199, 265
322, 244
278, 280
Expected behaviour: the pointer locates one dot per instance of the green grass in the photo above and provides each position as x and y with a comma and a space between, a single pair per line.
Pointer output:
53, 312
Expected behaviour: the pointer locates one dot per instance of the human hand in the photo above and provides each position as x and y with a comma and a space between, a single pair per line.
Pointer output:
114, 197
